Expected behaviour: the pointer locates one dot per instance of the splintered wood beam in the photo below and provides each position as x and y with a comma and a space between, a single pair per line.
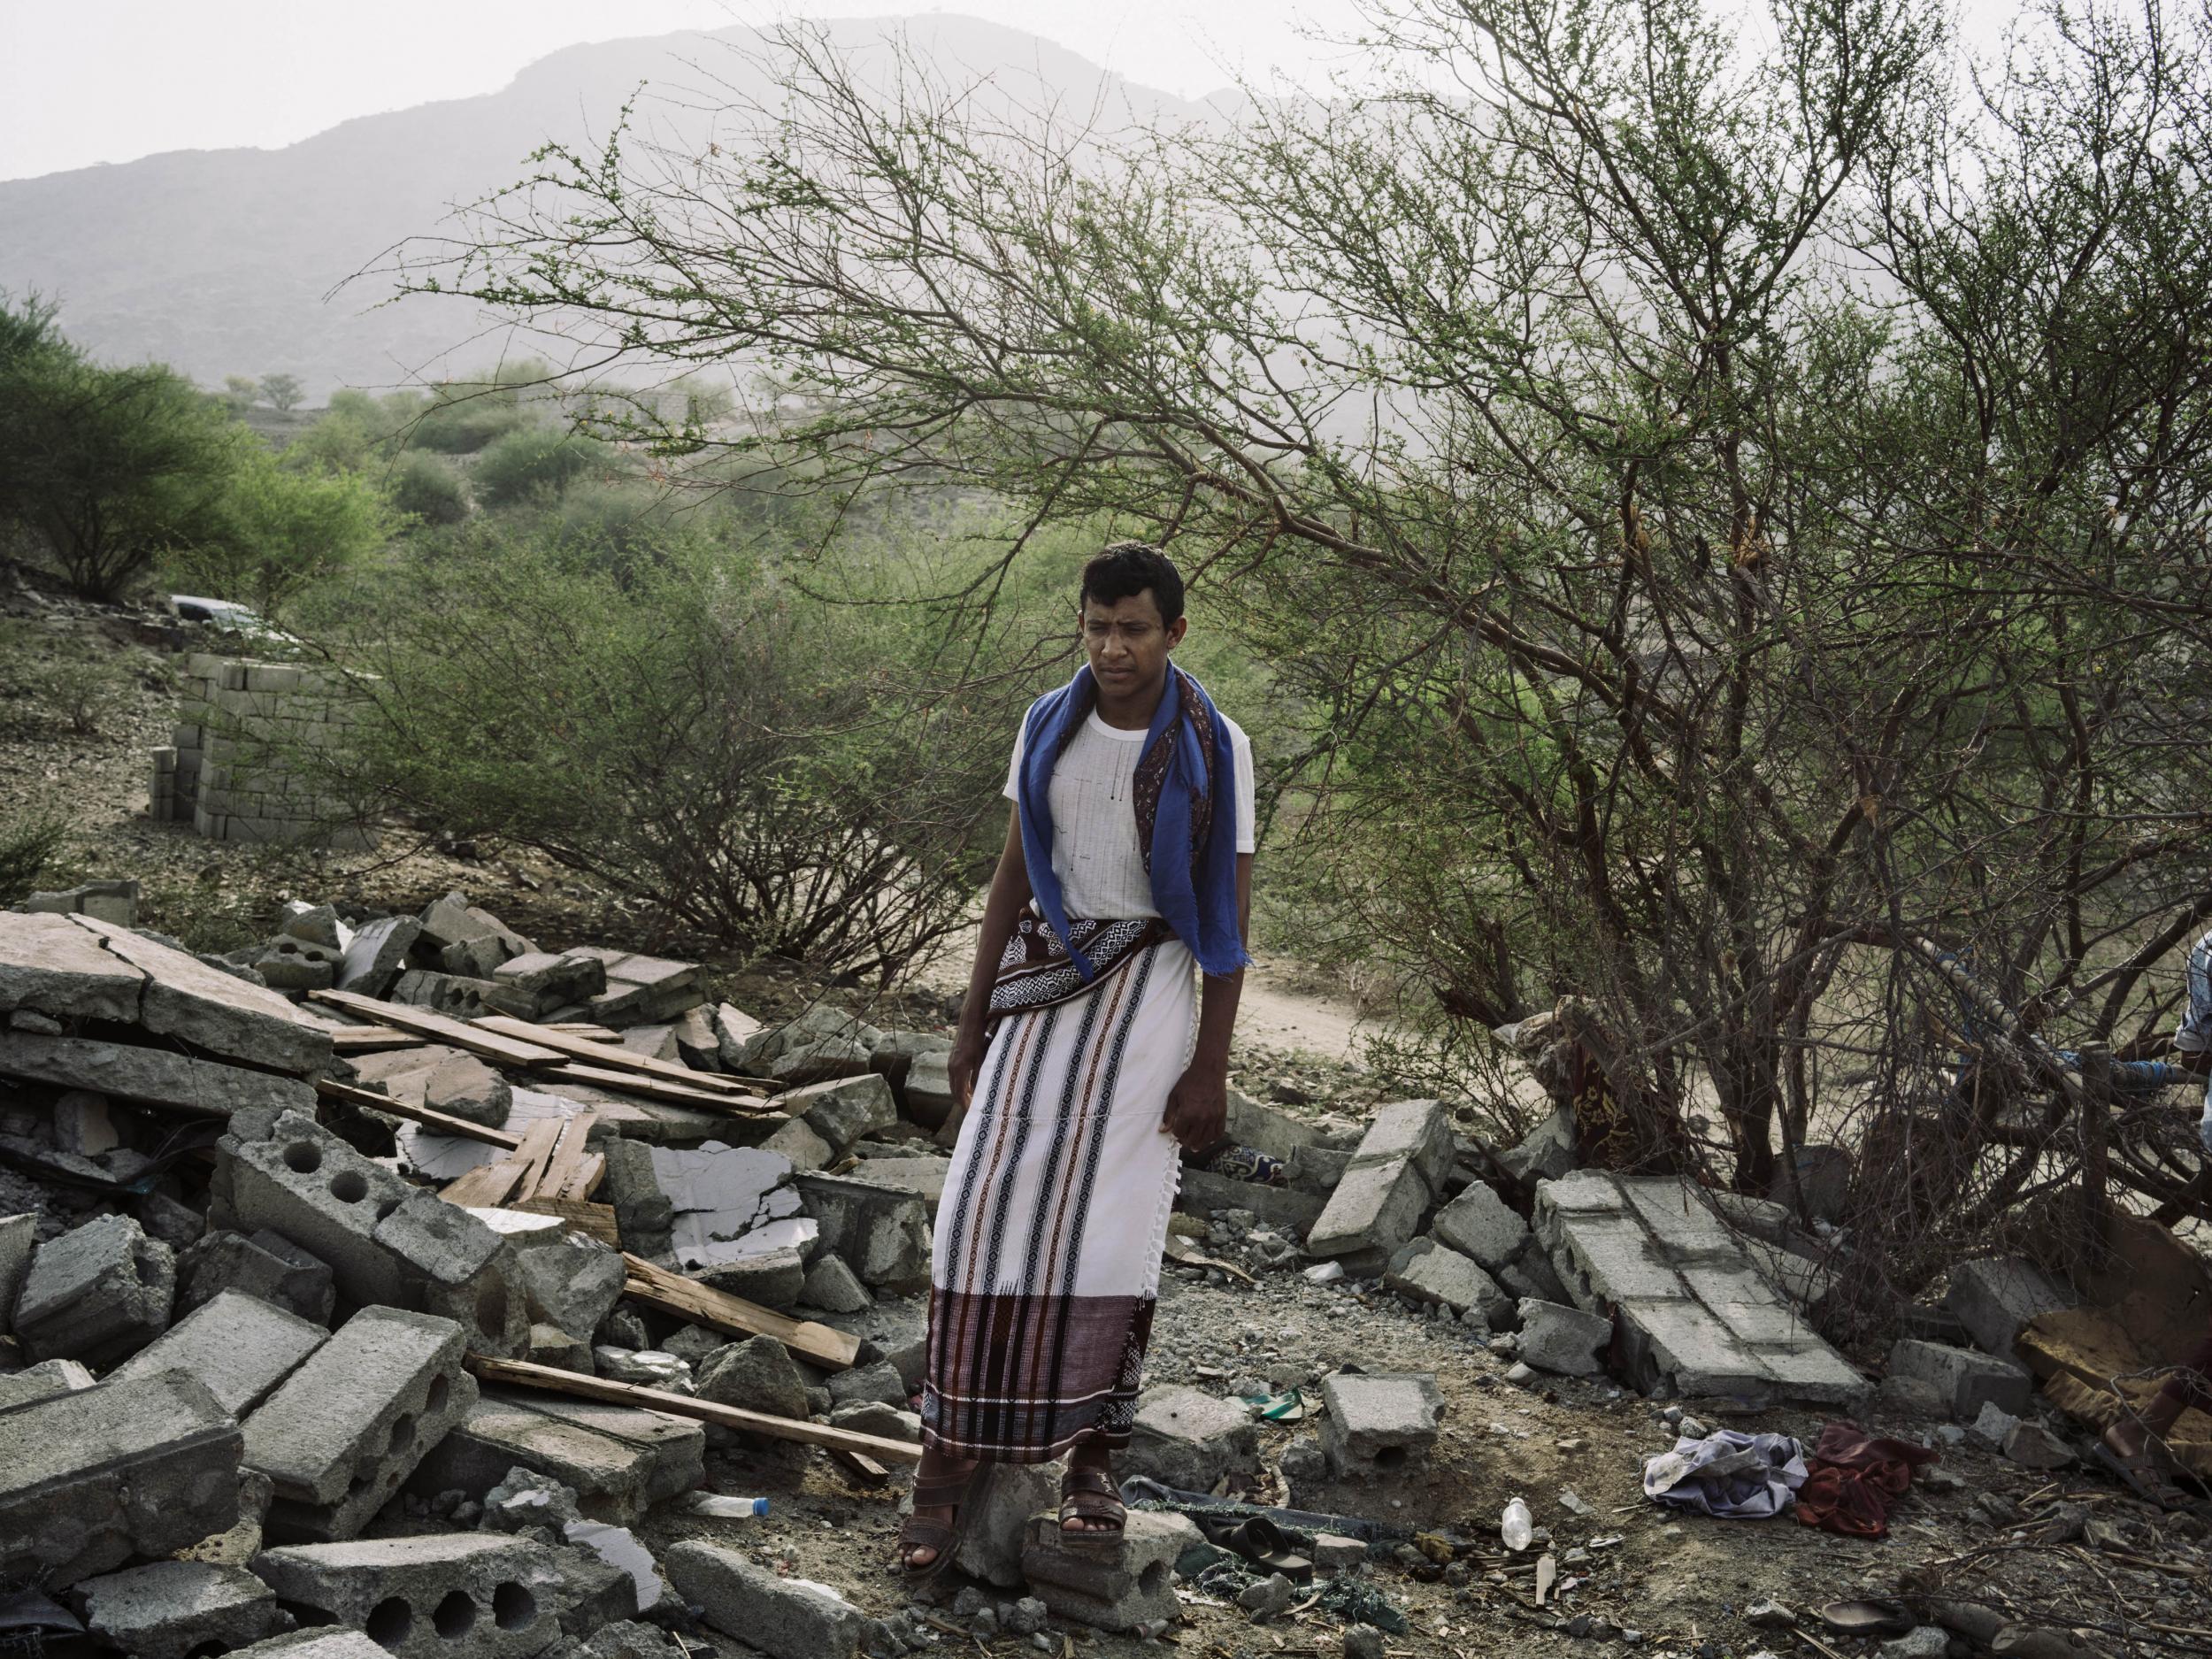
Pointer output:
362, 1038
612, 1056
443, 1123
594, 1221
523, 1374
702, 1304
501, 1048
656, 1088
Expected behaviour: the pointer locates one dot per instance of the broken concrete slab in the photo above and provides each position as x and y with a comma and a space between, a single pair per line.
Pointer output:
924, 1177
158, 1076
241, 1347
1113, 1583
340, 1434
567, 1280
757, 1374
418, 1598
1482, 1227
618, 1460
315, 1644
1428, 1272
89, 1479
843, 1110
830, 1283
807, 1150
49, 965
1374, 1212
991, 1547
926, 1092
718, 1195
212, 1010
553, 981
1562, 1339
377, 955
97, 1293
1189, 1440
18, 1242
1547, 1152
42, 1381
1202, 1193
1962, 1378
1996, 1296
388, 1243
1694, 1314
882, 1233
1377, 1424
784, 1618
774, 1274
179, 1610
265, 1265
896, 1330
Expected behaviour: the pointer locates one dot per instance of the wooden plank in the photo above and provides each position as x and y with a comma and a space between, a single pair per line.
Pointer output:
584, 1180
522, 1373
502, 1048
363, 1039
672, 1094
443, 1123
611, 1055
568, 1155
536, 1151
702, 1304
486, 1187
595, 1220
861, 1464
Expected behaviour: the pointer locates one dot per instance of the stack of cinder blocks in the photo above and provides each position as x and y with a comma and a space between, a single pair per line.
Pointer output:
233, 768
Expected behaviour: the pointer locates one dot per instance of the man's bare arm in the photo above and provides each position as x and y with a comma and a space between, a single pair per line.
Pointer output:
1198, 1105
1010, 893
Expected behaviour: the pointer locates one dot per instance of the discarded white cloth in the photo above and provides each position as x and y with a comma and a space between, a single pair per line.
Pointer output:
1728, 1474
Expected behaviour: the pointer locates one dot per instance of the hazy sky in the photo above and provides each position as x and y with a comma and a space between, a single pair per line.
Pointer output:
84, 82
91, 80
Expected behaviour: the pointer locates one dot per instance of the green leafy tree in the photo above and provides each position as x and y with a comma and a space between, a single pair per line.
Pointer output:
104, 468
537, 462
279, 530
241, 393
427, 488
282, 392
1732, 499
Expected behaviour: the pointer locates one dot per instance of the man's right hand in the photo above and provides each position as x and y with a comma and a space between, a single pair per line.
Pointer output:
965, 1066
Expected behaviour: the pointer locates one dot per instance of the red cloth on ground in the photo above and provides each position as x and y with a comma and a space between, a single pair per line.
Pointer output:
1853, 1477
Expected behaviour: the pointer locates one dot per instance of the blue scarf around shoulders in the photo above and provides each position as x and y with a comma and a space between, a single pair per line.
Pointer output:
1185, 797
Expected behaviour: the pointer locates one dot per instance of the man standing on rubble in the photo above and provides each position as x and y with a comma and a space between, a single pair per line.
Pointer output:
1085, 1060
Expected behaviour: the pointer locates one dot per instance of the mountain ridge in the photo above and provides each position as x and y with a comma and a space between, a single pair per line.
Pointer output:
237, 261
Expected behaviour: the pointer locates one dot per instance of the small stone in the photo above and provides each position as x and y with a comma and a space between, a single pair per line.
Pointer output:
2031, 1446
1520, 1373
1027, 1619
1765, 1613
1271, 1597
1363, 1641
1692, 1429
1929, 1641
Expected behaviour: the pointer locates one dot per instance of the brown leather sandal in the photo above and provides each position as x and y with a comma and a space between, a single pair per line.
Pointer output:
961, 1492
1088, 1494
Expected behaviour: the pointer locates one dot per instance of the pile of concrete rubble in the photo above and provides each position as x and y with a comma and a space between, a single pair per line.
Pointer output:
413, 1263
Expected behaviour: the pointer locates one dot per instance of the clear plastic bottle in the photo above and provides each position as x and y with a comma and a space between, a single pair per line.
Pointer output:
723, 1509
1516, 1526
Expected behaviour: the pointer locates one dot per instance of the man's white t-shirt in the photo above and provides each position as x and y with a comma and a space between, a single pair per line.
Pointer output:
1095, 849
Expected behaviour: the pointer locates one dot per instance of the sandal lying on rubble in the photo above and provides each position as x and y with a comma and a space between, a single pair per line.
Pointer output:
961, 1492
1088, 1495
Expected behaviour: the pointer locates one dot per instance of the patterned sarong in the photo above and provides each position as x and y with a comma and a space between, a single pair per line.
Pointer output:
1046, 1259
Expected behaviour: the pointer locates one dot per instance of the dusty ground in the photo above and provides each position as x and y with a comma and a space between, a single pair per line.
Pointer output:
1683, 1586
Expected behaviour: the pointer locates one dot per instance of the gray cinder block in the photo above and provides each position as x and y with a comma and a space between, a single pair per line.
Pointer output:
239, 1345
172, 1610
784, 1618
1377, 1426
97, 1293
417, 1598
90, 1478
343, 1432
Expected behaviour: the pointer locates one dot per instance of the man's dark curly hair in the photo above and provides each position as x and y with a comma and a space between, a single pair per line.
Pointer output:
1128, 568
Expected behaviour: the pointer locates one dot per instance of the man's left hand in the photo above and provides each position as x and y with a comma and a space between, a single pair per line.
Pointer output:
1197, 1109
